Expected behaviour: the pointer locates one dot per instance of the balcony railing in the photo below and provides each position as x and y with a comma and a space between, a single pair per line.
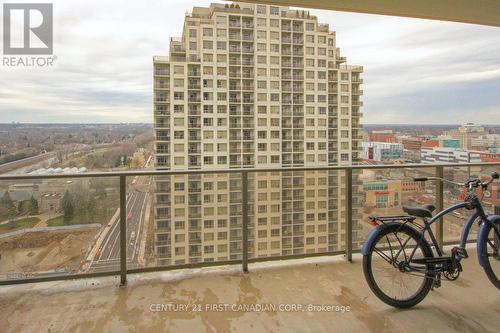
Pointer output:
160, 72
244, 211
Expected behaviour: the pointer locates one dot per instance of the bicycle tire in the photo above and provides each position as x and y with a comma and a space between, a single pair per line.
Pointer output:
372, 283
490, 273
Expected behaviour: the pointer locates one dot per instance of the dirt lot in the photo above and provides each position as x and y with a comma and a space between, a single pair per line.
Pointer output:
44, 251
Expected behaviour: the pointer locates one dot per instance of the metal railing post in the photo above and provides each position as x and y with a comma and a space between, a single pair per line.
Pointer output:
440, 205
348, 214
244, 212
123, 230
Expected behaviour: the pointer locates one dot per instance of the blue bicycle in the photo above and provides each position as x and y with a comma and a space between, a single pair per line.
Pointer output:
399, 263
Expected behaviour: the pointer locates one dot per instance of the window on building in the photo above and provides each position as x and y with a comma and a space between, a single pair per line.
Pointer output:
221, 20
178, 69
207, 44
261, 9
208, 32
221, 45
221, 32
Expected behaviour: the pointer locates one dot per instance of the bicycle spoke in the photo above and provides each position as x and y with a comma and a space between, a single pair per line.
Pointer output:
495, 248
390, 248
384, 256
391, 267
403, 246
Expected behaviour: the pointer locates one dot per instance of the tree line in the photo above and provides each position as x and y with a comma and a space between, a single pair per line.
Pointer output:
9, 209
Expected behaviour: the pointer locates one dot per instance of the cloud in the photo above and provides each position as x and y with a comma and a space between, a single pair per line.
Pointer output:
439, 70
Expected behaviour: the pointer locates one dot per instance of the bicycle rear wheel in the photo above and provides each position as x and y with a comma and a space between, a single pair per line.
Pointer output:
386, 266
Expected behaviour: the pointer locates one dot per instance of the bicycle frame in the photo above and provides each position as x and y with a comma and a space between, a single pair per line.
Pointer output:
474, 203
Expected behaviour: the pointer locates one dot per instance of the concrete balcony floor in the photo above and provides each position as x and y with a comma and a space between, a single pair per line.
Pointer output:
470, 304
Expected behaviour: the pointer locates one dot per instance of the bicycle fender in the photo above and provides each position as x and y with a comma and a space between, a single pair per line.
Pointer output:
482, 234
372, 236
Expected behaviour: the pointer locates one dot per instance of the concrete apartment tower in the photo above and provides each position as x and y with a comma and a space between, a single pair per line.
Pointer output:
253, 86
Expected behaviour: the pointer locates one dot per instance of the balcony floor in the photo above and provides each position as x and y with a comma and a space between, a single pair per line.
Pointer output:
470, 304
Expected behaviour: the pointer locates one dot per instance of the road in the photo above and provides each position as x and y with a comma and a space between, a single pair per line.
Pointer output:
109, 258
20, 166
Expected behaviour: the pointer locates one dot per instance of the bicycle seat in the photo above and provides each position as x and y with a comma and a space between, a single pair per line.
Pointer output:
420, 211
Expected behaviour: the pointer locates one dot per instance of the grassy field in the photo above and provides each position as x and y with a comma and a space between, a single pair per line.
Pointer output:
56, 221
79, 161
27, 222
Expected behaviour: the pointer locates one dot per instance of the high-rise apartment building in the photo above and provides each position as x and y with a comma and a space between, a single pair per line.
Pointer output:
253, 86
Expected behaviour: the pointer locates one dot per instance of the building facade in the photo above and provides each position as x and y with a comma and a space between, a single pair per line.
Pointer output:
382, 136
253, 86
381, 151
448, 155
382, 193
414, 144
466, 134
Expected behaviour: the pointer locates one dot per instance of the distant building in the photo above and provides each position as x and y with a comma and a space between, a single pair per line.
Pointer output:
50, 202
487, 156
412, 144
51, 171
446, 155
471, 128
21, 192
382, 136
409, 186
466, 133
494, 150
450, 143
411, 155
381, 151
382, 193
486, 142
430, 143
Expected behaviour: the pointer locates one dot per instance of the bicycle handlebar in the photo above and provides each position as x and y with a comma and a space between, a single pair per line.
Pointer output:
494, 175
472, 183
424, 179
420, 179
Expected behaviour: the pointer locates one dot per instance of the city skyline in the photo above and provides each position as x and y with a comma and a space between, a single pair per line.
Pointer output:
91, 83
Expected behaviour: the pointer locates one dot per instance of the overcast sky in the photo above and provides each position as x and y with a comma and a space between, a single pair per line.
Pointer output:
416, 71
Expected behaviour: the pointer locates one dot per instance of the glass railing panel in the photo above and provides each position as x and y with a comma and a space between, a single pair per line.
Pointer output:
384, 192
58, 227
192, 219
490, 199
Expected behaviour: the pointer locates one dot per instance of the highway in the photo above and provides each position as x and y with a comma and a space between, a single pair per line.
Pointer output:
18, 167
109, 257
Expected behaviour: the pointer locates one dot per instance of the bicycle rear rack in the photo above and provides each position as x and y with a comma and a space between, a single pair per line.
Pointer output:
376, 220
394, 218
